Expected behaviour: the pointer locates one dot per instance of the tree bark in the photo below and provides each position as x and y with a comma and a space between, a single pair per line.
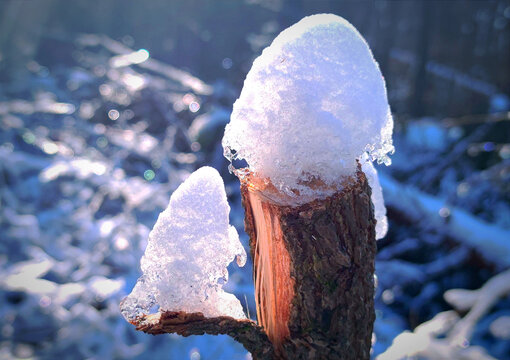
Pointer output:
247, 332
313, 274
313, 271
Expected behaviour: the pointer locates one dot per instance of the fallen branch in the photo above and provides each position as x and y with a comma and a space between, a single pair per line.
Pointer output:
460, 148
490, 241
184, 78
426, 342
447, 336
479, 301
476, 119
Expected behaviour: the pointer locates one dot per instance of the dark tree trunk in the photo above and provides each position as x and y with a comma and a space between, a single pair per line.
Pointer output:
314, 272
21, 26
420, 77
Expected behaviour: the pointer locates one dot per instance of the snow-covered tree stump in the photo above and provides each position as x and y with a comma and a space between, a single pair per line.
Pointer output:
312, 115
314, 271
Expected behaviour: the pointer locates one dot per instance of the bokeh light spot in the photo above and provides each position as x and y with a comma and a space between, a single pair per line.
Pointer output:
50, 147
489, 146
113, 114
156, 164
28, 137
504, 152
102, 142
194, 107
444, 212
149, 175
226, 63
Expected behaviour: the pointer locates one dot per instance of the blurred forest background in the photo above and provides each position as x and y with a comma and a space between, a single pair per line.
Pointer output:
106, 106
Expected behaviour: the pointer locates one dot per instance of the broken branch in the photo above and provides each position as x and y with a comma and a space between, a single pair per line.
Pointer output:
245, 331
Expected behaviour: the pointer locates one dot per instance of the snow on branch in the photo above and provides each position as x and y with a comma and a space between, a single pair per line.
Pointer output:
126, 56
447, 336
426, 341
185, 267
479, 302
489, 240
185, 264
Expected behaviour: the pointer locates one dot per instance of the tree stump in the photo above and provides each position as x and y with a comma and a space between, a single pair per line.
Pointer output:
313, 270
313, 274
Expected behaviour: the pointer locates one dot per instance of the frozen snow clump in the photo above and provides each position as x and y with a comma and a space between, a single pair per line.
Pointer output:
381, 228
311, 105
185, 263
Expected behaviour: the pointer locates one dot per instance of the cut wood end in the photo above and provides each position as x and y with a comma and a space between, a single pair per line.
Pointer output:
269, 192
273, 283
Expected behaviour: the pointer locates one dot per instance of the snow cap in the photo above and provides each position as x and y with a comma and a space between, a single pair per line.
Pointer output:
312, 104
185, 263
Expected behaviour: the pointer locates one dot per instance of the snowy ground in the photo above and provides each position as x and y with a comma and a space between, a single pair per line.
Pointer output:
90, 152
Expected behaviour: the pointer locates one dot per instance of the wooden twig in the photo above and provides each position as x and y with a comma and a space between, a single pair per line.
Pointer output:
447, 336
460, 148
476, 119
245, 331
489, 240
187, 80
479, 301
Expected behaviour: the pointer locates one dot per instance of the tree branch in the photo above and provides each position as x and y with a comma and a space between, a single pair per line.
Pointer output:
245, 331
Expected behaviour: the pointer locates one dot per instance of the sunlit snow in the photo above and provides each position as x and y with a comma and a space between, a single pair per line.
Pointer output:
185, 264
312, 104
381, 227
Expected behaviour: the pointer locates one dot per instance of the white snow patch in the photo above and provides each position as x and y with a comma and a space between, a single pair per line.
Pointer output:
185, 263
381, 227
312, 104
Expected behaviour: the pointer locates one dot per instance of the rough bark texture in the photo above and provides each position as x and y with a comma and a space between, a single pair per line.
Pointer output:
329, 246
247, 332
313, 272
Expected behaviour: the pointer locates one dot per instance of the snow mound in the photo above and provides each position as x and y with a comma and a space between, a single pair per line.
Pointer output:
312, 104
185, 263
